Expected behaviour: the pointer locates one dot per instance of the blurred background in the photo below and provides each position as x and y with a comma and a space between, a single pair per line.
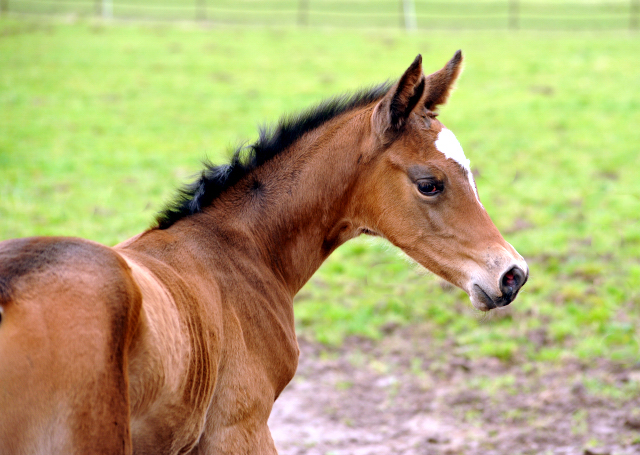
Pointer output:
106, 107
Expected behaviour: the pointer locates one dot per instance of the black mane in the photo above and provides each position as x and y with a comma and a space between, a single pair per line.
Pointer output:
214, 180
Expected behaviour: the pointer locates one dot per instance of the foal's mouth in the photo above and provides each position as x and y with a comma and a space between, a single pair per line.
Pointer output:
486, 302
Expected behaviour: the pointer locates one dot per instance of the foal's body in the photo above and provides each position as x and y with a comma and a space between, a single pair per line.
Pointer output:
180, 339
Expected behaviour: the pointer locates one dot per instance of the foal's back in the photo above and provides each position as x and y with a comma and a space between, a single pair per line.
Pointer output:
111, 350
68, 309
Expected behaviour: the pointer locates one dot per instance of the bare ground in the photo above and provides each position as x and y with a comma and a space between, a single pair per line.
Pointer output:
397, 396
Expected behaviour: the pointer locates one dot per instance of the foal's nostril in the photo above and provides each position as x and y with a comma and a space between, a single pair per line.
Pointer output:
511, 282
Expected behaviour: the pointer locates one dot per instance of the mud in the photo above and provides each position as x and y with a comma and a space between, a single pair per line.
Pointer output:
398, 396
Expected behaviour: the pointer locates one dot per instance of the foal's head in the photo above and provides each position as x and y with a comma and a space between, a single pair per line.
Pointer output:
424, 196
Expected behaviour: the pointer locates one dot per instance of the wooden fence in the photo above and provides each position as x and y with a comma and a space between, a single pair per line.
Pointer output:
409, 14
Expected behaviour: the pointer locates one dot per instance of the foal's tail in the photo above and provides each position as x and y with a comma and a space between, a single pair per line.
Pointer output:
68, 308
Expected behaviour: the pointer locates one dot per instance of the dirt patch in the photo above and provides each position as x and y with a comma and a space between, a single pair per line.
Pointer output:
399, 397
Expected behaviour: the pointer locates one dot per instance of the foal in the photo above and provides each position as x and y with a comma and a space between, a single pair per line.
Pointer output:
180, 339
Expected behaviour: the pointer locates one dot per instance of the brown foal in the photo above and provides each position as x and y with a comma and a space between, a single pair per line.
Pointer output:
180, 339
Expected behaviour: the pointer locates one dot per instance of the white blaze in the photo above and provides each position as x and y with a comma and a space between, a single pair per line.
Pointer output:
448, 144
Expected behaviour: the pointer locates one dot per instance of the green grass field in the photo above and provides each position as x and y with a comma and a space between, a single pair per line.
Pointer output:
100, 123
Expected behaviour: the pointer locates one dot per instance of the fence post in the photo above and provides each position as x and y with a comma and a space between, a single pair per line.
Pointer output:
634, 12
410, 21
107, 9
514, 13
201, 10
303, 13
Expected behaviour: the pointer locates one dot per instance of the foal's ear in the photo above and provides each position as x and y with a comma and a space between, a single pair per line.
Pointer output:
440, 84
391, 113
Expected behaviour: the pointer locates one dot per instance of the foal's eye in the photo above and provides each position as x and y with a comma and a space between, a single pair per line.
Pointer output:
429, 187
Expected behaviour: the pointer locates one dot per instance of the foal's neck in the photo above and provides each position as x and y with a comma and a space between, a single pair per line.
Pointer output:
296, 207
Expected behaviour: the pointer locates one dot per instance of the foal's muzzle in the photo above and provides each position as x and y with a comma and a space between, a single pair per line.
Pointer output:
510, 283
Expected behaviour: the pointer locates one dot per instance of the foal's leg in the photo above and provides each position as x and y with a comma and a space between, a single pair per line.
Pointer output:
237, 419
63, 385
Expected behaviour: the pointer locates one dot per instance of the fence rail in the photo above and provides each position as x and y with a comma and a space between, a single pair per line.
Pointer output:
411, 14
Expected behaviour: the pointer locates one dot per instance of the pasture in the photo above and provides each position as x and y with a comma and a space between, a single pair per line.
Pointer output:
100, 123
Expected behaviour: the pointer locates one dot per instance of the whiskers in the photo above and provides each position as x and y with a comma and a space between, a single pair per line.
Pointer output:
497, 314
483, 317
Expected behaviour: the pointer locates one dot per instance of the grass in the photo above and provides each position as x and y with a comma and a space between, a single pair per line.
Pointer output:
100, 123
